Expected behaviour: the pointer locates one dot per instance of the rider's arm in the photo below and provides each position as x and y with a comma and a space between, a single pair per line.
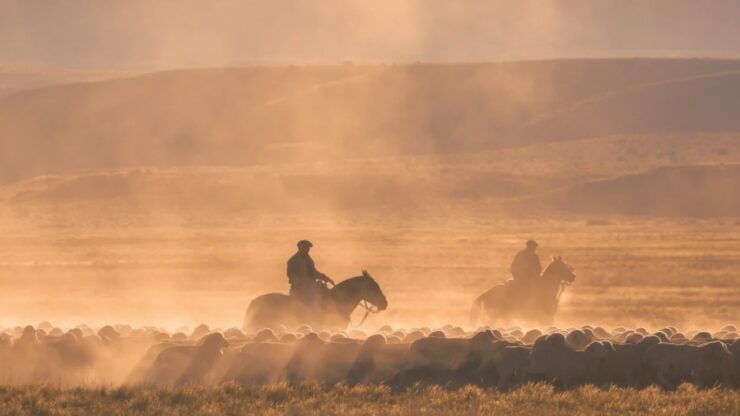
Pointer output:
323, 277
538, 264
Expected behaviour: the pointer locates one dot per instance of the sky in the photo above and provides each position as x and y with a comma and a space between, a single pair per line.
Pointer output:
162, 34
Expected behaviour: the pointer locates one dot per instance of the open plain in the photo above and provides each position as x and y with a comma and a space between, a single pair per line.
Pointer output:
145, 202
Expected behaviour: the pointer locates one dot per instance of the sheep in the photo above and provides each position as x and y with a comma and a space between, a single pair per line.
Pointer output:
200, 331
187, 364
68, 356
636, 337
668, 331
356, 333
234, 333
139, 373
455, 332
123, 329
288, 338
601, 333
385, 329
445, 361
259, 363
678, 338
531, 336
577, 339
412, 337
662, 335
624, 366
505, 365
704, 365
516, 333
555, 361
340, 338
377, 362
701, 338
304, 329
734, 348
400, 334
107, 332
29, 336
5, 341
265, 335
179, 337
449, 352
728, 328
325, 362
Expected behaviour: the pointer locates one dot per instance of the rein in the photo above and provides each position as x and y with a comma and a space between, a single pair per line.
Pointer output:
562, 289
368, 310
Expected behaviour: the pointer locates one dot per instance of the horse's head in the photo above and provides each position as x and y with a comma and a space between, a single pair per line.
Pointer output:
559, 270
370, 291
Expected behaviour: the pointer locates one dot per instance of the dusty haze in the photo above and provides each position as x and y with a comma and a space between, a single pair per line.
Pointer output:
158, 163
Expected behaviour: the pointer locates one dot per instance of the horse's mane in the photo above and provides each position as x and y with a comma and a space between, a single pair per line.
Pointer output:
556, 262
352, 280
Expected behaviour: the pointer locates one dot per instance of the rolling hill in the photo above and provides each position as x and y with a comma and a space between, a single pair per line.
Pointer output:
676, 191
663, 176
247, 116
700, 104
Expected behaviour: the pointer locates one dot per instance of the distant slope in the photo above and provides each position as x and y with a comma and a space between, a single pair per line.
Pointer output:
700, 104
14, 80
265, 115
221, 191
689, 191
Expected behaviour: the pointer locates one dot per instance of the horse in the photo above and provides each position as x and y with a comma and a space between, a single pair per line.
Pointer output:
332, 312
503, 302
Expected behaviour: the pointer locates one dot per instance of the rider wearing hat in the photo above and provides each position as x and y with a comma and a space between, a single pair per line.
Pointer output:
526, 267
305, 281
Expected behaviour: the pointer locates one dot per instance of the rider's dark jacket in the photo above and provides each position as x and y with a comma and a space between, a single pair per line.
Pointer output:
526, 266
301, 269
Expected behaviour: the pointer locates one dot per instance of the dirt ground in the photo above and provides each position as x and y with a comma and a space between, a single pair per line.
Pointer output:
629, 272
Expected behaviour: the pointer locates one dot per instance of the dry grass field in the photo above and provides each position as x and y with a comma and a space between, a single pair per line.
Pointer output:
535, 399
638, 272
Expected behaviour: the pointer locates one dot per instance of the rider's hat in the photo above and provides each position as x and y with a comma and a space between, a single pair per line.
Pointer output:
304, 243
532, 243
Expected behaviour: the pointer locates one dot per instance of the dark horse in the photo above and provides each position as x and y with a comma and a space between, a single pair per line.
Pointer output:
332, 312
503, 302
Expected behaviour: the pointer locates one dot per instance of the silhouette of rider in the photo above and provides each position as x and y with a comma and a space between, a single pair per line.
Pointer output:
306, 283
526, 267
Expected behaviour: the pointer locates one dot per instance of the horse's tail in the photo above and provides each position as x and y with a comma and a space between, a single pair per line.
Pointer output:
475, 309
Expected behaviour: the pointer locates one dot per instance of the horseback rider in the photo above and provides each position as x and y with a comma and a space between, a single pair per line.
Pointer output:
526, 267
306, 283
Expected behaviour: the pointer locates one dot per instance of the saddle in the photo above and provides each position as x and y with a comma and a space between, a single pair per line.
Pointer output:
519, 287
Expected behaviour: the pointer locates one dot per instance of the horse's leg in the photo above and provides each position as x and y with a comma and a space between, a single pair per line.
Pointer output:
489, 311
490, 303
475, 309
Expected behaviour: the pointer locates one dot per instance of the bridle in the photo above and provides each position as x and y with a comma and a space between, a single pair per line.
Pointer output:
563, 285
368, 310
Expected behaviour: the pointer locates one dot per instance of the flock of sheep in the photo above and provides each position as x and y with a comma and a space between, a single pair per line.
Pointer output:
450, 356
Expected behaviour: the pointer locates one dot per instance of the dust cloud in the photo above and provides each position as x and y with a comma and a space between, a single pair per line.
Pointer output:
162, 35
175, 194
